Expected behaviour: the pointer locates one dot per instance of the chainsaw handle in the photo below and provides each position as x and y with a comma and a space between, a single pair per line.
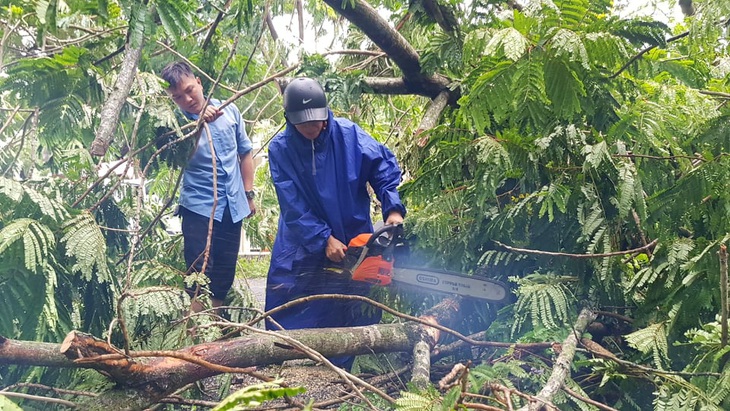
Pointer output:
395, 231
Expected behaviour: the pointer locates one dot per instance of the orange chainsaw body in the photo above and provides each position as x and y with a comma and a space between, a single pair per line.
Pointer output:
373, 269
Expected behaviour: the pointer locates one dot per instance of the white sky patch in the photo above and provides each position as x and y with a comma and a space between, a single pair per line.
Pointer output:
664, 11
287, 26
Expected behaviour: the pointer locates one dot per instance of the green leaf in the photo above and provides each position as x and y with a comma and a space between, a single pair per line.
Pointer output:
409, 401
7, 405
175, 17
37, 241
255, 395
510, 42
139, 13
651, 340
566, 44
563, 88
86, 244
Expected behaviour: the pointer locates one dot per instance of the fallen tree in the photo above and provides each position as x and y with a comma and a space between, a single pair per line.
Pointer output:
144, 378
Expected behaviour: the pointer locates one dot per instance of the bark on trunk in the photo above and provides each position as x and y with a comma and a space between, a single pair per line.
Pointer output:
113, 105
431, 116
143, 378
33, 353
421, 373
561, 368
398, 49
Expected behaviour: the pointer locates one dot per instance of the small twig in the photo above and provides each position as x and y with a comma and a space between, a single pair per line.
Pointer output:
178, 400
9, 120
644, 51
665, 158
49, 388
637, 221
214, 25
587, 400
723, 294
715, 94
569, 255
650, 370
39, 398
31, 118
110, 55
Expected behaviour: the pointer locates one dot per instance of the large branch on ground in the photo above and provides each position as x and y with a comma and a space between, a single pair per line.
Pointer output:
561, 368
33, 353
113, 105
367, 19
144, 378
421, 373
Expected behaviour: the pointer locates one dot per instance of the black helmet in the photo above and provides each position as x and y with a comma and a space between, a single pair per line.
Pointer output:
304, 100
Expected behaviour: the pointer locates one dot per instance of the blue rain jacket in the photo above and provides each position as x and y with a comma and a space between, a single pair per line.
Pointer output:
321, 187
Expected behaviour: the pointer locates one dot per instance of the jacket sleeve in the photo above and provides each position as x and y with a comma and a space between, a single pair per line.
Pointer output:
304, 227
384, 176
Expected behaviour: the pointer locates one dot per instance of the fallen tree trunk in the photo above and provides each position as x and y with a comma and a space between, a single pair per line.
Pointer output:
144, 378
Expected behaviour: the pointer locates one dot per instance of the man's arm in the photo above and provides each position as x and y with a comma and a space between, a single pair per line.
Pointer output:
309, 230
245, 157
384, 177
247, 174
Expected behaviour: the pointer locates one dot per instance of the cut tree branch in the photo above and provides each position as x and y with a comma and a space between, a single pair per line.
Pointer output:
398, 49
113, 105
145, 378
561, 368
431, 116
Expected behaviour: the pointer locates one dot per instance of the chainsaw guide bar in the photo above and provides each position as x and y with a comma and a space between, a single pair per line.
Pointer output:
451, 283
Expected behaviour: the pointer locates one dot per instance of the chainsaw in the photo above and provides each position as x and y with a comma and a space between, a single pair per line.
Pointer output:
371, 258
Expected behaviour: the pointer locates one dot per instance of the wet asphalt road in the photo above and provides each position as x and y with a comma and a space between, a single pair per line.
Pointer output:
256, 286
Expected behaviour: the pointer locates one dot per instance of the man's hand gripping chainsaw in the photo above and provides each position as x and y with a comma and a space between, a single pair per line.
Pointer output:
371, 258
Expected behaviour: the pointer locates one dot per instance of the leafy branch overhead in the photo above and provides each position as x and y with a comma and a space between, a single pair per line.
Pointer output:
571, 149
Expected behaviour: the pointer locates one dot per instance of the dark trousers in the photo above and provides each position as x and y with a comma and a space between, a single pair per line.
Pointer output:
223, 255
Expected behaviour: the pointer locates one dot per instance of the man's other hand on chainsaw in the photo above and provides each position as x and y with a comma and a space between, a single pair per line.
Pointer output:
394, 218
335, 250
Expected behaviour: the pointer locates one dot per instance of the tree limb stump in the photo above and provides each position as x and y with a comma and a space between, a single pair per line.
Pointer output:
561, 368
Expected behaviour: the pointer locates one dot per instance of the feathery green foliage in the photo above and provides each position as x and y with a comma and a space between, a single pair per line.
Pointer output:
257, 394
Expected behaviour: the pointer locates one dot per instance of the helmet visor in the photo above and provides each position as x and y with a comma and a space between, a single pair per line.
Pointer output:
310, 114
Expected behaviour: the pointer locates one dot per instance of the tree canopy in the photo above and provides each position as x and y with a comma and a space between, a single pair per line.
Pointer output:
565, 148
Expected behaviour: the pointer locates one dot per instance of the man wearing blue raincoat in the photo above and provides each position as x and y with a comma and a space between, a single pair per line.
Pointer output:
320, 166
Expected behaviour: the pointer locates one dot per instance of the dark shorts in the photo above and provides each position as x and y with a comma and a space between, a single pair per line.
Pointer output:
225, 242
